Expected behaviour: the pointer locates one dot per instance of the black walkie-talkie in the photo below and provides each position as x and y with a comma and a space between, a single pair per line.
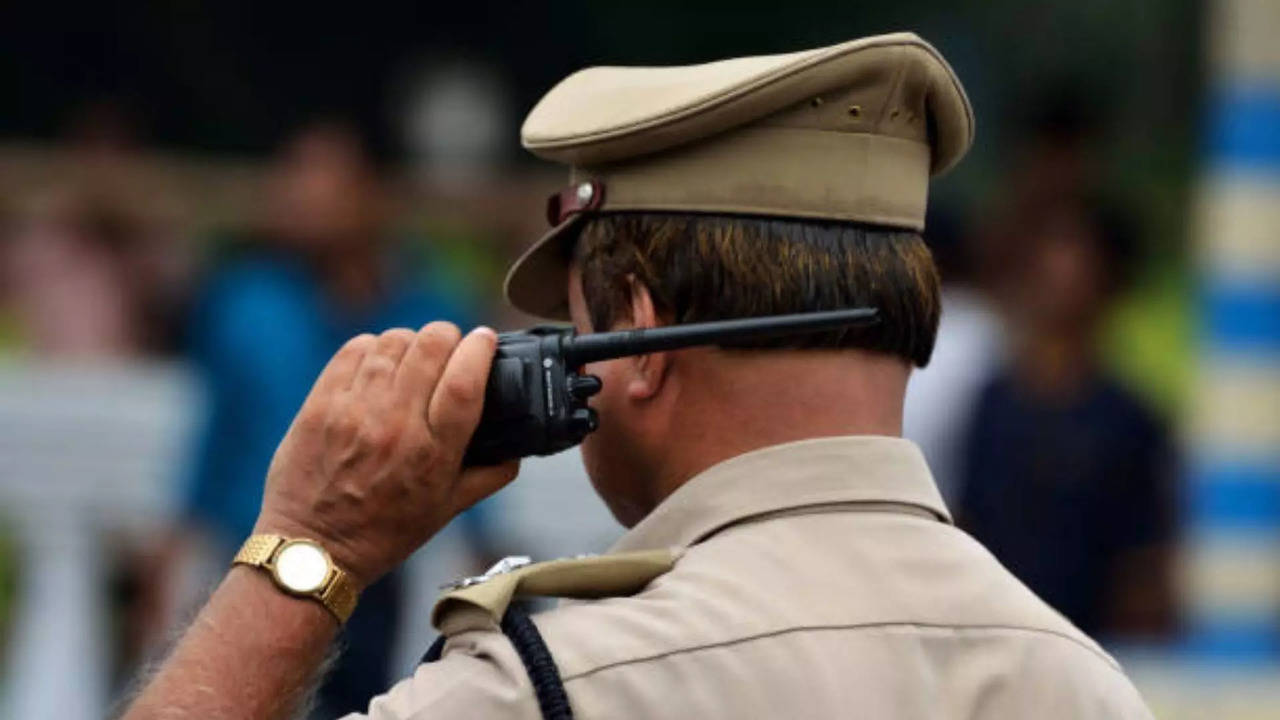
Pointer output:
536, 399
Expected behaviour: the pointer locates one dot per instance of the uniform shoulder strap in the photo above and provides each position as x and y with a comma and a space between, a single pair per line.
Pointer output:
484, 602
480, 602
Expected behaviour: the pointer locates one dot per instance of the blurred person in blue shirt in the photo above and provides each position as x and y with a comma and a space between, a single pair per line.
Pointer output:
268, 319
1068, 476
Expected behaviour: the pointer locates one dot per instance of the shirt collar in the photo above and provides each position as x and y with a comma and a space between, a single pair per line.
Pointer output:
808, 473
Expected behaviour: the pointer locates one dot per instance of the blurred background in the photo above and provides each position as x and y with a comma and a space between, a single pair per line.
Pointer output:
200, 201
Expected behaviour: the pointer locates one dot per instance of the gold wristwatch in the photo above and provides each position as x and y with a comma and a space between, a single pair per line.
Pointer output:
301, 568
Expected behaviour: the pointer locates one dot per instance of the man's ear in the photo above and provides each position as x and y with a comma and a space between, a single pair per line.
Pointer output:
649, 371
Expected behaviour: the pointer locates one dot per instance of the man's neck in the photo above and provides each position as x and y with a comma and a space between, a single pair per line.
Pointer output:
737, 402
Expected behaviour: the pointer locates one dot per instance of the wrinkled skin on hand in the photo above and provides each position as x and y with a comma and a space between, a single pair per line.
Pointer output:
371, 466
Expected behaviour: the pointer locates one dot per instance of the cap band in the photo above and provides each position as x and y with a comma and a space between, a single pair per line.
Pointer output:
775, 171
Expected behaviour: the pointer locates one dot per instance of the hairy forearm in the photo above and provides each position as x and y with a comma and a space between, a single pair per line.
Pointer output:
251, 654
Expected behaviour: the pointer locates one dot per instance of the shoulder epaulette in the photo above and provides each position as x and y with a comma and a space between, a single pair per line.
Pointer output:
481, 602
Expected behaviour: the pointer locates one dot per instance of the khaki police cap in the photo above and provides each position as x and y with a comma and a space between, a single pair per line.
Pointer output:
849, 132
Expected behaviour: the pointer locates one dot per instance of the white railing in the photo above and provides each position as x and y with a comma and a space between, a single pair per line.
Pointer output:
84, 449
92, 451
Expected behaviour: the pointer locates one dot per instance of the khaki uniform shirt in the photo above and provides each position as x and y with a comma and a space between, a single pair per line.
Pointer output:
816, 579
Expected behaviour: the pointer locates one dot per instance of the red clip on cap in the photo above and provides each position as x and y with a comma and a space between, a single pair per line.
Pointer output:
574, 199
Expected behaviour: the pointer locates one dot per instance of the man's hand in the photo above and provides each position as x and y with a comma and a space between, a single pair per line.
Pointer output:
371, 467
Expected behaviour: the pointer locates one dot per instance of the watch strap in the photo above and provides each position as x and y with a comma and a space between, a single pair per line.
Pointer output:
340, 595
257, 550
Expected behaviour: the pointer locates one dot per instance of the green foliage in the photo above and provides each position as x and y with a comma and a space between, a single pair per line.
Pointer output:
1149, 339
8, 586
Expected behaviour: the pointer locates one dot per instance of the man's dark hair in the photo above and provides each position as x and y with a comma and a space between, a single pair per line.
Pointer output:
711, 267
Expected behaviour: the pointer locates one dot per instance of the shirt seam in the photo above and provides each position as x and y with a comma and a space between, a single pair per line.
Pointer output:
1111, 663
896, 508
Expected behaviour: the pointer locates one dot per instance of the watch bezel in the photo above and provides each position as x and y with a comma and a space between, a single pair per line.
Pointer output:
302, 592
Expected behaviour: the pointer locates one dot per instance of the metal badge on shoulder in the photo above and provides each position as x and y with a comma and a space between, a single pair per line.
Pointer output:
502, 567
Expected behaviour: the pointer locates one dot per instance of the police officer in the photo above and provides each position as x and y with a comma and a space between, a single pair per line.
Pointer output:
788, 555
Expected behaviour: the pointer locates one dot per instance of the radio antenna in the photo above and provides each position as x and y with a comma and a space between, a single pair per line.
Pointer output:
581, 349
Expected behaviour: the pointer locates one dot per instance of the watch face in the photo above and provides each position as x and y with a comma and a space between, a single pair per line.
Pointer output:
301, 566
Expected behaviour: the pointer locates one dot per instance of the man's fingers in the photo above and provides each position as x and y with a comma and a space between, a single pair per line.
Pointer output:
379, 365
341, 370
424, 363
455, 405
394, 342
478, 483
